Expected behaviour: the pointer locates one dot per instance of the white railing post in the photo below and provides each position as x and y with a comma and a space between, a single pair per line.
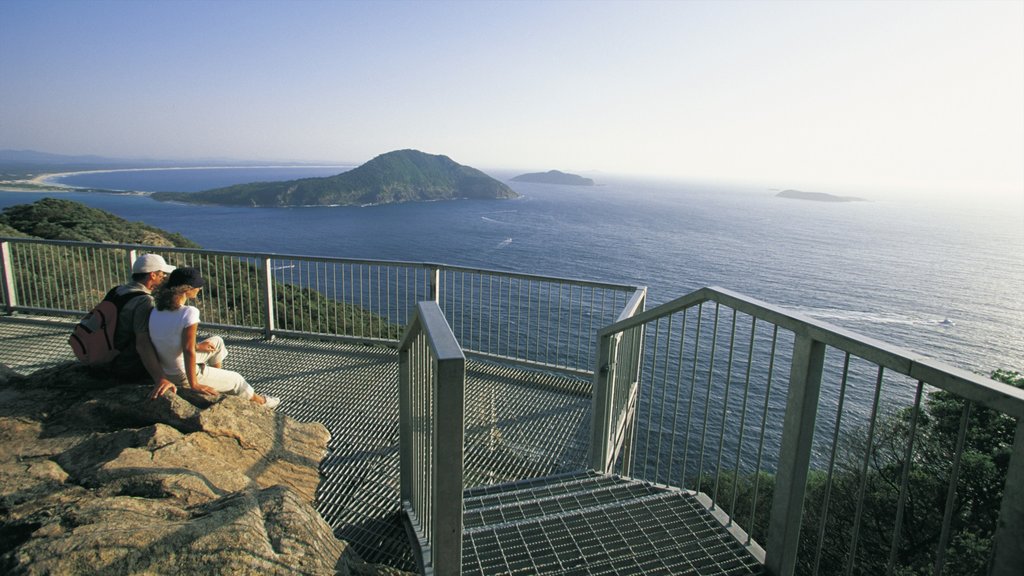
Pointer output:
269, 324
435, 283
10, 296
794, 456
132, 255
1008, 541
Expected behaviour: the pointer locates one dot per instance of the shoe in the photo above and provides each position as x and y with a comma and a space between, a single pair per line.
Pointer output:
271, 402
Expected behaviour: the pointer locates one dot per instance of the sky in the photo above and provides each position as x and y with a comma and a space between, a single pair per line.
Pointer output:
852, 97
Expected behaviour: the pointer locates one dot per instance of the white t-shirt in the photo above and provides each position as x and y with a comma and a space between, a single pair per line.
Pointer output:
165, 328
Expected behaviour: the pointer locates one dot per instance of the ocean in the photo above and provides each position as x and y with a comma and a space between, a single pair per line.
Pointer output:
892, 270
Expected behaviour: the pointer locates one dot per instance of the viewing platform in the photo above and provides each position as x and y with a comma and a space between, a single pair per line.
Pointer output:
489, 422
523, 424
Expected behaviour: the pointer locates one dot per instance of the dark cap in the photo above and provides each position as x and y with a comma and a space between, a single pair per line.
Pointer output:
186, 276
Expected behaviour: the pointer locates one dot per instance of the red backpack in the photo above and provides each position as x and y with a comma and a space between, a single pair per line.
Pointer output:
92, 340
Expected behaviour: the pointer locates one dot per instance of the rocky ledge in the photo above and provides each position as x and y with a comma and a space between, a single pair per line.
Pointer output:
97, 479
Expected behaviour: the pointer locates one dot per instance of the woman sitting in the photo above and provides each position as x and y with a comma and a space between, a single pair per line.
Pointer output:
172, 328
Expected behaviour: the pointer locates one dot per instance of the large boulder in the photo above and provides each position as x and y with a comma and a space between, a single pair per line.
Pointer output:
96, 478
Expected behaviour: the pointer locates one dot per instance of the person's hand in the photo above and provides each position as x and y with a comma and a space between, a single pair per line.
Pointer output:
161, 388
206, 346
203, 389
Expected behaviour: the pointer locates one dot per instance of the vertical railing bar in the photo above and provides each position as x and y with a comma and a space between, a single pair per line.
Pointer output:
707, 399
590, 330
905, 478
362, 300
743, 420
650, 397
519, 311
764, 422
490, 313
675, 409
844, 380
75, 296
954, 479
725, 409
664, 386
693, 387
862, 491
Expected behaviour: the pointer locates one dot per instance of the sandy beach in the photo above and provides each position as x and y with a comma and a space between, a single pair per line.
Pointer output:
40, 183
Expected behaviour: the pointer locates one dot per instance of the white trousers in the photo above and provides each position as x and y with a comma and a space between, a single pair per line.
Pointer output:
223, 381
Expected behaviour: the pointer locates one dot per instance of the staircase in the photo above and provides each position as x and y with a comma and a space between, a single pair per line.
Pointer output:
590, 523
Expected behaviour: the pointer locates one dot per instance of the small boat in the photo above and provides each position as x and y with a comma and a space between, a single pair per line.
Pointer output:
947, 322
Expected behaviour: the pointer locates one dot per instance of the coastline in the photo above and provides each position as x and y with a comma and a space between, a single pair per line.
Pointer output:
44, 182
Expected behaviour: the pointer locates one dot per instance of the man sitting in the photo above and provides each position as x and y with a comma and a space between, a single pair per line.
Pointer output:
136, 358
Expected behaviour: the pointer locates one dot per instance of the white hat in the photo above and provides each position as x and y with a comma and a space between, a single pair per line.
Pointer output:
151, 263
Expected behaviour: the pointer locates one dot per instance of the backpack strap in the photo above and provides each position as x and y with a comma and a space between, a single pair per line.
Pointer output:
120, 300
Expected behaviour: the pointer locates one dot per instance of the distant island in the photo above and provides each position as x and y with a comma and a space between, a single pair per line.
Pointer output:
399, 176
554, 177
817, 196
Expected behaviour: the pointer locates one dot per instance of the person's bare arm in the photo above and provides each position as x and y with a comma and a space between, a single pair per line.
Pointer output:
144, 347
188, 349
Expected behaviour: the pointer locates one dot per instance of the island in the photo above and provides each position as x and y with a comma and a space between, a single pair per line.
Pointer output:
817, 196
554, 177
398, 176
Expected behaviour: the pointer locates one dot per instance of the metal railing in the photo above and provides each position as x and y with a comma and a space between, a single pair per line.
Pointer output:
541, 321
754, 407
537, 320
432, 381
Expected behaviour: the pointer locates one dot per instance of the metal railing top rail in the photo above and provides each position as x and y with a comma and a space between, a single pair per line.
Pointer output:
522, 276
976, 388
336, 259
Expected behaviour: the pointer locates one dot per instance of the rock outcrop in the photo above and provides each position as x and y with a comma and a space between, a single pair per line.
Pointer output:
95, 478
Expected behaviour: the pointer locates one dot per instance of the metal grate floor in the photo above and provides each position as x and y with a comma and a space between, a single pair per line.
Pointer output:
596, 524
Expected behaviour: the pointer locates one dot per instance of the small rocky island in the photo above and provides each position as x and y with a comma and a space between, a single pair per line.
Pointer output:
554, 177
817, 196
398, 176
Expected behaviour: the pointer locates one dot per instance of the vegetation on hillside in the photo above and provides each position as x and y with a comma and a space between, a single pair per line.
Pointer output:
56, 219
399, 176
982, 475
232, 297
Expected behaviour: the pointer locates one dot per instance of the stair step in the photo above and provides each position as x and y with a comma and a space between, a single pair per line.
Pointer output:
571, 498
528, 492
480, 491
661, 531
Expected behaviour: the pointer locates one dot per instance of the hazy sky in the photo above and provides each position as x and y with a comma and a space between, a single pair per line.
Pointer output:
832, 96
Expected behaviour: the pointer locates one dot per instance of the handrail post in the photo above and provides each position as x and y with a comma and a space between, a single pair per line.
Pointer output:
435, 284
405, 461
432, 383
601, 413
269, 324
1008, 541
10, 296
794, 455
449, 416
132, 255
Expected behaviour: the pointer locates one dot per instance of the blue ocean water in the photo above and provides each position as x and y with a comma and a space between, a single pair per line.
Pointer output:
890, 270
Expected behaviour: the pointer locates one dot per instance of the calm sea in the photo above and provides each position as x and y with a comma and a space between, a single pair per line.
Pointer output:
890, 270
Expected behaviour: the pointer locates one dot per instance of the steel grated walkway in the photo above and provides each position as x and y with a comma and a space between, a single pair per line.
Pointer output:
519, 424
588, 523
